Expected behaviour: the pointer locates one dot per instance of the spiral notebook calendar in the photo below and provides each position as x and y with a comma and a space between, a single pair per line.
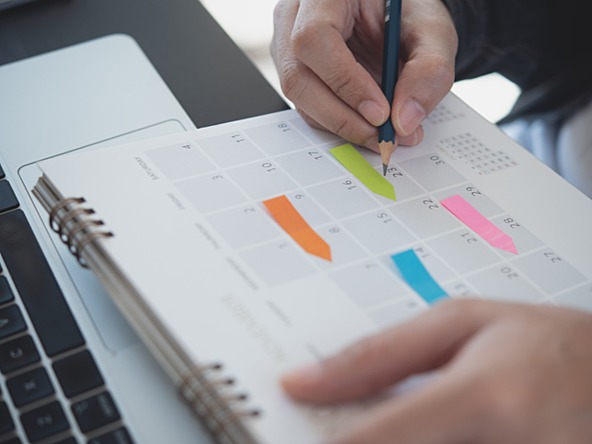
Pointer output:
246, 249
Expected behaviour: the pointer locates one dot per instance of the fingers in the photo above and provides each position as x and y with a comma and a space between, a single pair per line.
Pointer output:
306, 39
424, 344
328, 54
442, 412
319, 37
372, 143
427, 73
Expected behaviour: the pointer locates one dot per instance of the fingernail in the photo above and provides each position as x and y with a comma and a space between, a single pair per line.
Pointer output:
410, 116
308, 375
373, 112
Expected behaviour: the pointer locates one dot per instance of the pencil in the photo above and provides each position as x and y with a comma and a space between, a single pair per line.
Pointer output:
390, 62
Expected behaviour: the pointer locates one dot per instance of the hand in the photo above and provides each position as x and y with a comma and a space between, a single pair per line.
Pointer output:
507, 373
329, 57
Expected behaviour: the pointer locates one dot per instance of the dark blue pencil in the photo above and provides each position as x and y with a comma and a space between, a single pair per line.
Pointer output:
390, 66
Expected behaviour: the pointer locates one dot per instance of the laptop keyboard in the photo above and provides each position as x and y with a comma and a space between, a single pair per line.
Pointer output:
53, 392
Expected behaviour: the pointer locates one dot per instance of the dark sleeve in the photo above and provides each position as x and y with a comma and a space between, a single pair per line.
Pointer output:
527, 41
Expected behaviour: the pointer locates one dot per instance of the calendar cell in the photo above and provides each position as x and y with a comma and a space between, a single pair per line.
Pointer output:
344, 249
464, 251
210, 192
344, 197
523, 239
425, 217
379, 232
277, 138
371, 157
317, 136
440, 271
278, 262
308, 209
398, 312
405, 188
309, 167
244, 226
368, 284
473, 196
579, 298
458, 288
504, 283
230, 149
549, 270
180, 161
262, 179
432, 172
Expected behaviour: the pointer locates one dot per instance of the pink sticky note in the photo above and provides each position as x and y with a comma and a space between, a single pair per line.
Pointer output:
468, 215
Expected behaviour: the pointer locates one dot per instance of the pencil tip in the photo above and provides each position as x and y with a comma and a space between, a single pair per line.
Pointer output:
384, 168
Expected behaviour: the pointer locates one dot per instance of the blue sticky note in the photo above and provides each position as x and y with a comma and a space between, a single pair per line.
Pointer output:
418, 278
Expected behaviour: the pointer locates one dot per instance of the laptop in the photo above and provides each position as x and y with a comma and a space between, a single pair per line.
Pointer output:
71, 369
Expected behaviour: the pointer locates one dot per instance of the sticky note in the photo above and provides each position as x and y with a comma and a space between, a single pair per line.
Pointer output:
418, 277
355, 163
468, 215
292, 222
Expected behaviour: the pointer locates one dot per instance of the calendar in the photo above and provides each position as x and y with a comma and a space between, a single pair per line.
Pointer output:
239, 171
268, 244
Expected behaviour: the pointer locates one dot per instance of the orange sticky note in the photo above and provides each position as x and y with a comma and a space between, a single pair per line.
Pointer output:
294, 224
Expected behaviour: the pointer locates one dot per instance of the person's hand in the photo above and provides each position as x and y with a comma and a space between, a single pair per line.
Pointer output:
507, 373
328, 54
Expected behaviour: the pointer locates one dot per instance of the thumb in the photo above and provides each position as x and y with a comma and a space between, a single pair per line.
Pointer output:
429, 43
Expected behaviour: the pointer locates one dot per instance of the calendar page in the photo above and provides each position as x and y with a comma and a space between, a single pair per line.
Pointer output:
267, 244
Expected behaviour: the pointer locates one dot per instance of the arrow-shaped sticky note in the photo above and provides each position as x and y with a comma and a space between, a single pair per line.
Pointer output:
418, 277
351, 159
292, 222
468, 215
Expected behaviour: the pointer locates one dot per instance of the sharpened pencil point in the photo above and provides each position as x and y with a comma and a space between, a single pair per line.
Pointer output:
386, 151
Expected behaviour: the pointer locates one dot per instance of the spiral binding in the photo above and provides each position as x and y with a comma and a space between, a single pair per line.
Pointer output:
220, 408
76, 226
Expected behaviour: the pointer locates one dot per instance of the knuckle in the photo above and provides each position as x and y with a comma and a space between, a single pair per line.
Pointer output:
279, 10
506, 400
291, 81
350, 129
342, 82
304, 37
340, 126
440, 69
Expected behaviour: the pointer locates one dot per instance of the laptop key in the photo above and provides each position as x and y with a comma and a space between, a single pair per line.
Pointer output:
8, 200
17, 353
37, 286
6, 423
95, 412
77, 373
6, 294
11, 321
68, 440
28, 387
119, 436
44, 421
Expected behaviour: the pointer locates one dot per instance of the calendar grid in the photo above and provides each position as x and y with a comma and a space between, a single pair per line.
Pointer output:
279, 159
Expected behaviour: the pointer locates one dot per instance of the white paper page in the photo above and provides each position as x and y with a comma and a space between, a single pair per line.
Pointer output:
232, 285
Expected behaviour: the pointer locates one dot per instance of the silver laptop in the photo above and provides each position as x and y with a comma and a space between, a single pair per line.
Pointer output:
71, 369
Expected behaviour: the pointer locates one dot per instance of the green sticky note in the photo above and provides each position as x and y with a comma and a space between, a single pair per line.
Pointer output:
351, 159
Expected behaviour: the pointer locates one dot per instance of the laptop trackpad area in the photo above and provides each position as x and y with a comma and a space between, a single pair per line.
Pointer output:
113, 329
